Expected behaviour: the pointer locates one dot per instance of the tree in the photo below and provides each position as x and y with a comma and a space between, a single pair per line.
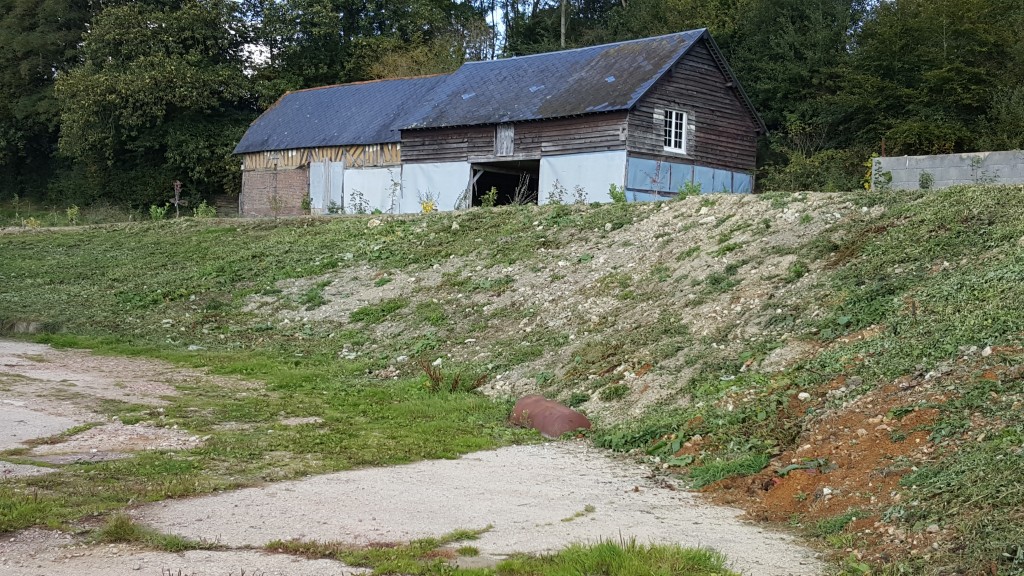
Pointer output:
317, 42
161, 95
926, 73
40, 40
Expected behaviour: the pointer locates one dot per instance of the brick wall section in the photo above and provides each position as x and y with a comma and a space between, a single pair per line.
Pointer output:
273, 193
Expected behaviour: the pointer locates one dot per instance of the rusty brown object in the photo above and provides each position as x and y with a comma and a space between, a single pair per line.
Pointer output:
550, 418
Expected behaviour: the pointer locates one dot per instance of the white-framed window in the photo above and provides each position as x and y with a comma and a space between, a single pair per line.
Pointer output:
676, 124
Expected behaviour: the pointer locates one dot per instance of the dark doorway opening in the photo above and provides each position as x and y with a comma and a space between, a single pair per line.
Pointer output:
514, 182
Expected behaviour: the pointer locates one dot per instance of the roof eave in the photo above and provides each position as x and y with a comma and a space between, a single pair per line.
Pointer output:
736, 85
546, 118
720, 59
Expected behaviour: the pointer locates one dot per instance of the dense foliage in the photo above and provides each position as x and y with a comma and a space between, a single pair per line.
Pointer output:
115, 100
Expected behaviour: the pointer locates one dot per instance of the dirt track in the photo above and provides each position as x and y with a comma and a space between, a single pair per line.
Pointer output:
534, 497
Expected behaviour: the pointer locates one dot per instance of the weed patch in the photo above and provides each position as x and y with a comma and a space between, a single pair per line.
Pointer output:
413, 559
377, 313
711, 472
622, 559
122, 529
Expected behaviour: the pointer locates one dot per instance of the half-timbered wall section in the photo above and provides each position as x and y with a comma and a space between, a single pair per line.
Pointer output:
722, 132
374, 155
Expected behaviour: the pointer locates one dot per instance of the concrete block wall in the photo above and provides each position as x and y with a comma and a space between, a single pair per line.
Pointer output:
274, 192
952, 169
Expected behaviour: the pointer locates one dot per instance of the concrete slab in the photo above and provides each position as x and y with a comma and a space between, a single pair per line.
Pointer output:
21, 424
11, 470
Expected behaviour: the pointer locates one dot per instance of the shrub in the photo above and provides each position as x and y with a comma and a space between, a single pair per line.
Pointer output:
158, 212
926, 181
617, 194
824, 171
489, 198
204, 210
688, 189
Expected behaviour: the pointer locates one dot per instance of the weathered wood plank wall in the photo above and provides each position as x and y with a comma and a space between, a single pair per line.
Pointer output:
725, 135
590, 133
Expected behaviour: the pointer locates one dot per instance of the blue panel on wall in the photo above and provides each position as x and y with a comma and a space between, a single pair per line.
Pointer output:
648, 180
723, 181
705, 177
644, 174
742, 183
638, 196
682, 174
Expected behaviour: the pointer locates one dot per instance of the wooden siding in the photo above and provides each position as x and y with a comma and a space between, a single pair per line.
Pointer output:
590, 133
724, 136
354, 157
447, 144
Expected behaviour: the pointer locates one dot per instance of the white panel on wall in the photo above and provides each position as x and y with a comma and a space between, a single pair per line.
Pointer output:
594, 173
318, 187
444, 182
326, 183
373, 189
336, 186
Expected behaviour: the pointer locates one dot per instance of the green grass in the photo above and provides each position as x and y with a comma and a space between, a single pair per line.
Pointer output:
937, 272
420, 558
411, 559
619, 559
836, 524
28, 213
122, 529
196, 274
613, 392
314, 297
587, 510
377, 313
720, 469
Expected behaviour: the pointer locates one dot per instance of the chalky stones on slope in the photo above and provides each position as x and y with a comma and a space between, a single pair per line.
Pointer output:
550, 418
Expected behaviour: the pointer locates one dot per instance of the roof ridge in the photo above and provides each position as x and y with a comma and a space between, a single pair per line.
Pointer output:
595, 46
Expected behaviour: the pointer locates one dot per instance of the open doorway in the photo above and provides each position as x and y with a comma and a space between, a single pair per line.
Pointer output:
514, 182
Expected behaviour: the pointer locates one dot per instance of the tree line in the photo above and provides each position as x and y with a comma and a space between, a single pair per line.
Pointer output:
114, 100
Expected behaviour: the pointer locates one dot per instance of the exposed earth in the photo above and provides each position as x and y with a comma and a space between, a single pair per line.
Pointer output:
536, 498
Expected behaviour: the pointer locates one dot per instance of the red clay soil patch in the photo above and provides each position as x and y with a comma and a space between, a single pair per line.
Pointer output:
852, 458
848, 459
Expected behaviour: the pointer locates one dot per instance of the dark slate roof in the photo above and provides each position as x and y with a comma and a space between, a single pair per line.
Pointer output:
347, 114
603, 78
555, 84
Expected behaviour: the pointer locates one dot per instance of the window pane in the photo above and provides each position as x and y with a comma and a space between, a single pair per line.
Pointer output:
675, 130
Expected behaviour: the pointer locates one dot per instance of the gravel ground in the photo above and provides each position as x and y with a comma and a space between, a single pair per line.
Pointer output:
526, 493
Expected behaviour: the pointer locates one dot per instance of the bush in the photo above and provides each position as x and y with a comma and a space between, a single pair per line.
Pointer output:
204, 210
158, 212
926, 181
617, 194
489, 198
824, 171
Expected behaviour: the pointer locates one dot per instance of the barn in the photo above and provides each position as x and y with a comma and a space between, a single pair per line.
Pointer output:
312, 147
647, 116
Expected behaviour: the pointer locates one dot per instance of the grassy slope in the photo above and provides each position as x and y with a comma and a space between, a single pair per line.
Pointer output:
933, 274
